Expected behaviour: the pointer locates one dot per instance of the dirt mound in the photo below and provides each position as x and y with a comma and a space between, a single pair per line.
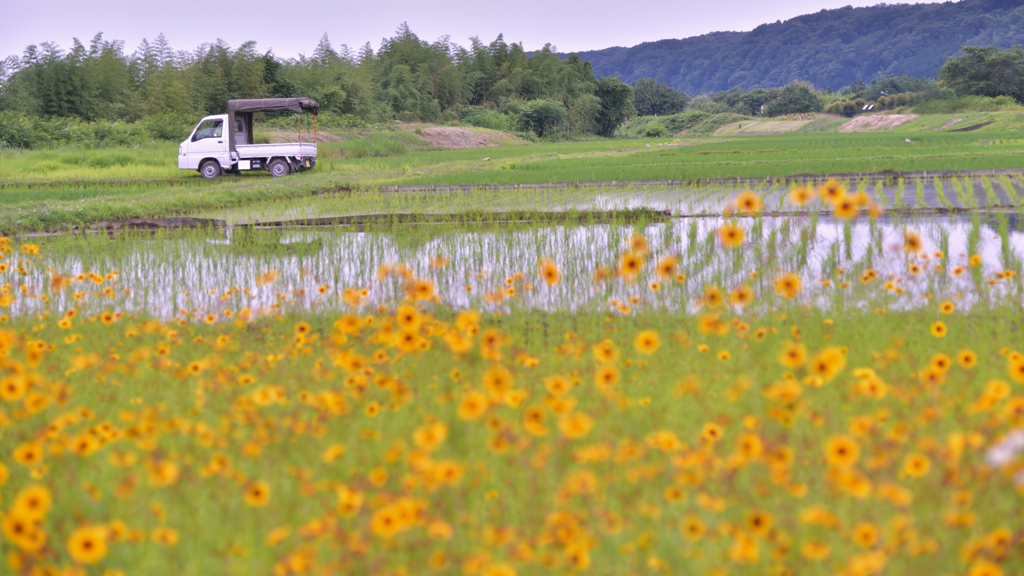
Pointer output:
761, 127
452, 137
876, 122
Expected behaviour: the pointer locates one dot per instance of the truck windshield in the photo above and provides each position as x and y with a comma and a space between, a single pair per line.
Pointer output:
208, 129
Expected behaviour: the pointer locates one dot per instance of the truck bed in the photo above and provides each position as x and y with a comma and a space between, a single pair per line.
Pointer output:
304, 149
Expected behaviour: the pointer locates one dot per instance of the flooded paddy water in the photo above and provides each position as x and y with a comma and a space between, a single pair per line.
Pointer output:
1001, 192
492, 264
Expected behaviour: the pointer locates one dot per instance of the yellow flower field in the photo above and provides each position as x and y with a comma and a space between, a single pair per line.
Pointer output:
745, 432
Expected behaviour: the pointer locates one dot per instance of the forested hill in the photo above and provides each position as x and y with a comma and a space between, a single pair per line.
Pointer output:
831, 48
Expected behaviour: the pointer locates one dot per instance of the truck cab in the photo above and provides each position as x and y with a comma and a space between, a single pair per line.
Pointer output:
223, 142
207, 147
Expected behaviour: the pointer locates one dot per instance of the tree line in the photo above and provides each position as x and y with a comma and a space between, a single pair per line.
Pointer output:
830, 48
405, 78
979, 79
101, 95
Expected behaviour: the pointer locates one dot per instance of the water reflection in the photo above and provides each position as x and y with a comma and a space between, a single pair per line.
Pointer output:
176, 275
1000, 193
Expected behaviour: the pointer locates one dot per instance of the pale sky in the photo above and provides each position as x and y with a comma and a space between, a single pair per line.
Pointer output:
294, 27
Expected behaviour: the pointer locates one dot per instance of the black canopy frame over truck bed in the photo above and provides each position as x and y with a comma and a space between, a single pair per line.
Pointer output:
244, 109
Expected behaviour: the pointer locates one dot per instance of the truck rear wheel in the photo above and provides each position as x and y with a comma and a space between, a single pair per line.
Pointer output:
210, 169
278, 168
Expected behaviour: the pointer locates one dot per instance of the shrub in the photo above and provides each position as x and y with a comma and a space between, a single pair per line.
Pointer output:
967, 104
542, 116
678, 122
707, 105
795, 98
168, 126
673, 124
655, 130
485, 118
15, 131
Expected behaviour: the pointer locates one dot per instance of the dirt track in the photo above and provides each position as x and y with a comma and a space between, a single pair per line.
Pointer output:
451, 138
874, 122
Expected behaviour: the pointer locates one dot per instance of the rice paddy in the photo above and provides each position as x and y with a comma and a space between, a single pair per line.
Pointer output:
811, 376
56, 189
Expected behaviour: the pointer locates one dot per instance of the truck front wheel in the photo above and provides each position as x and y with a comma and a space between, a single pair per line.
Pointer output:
210, 169
278, 168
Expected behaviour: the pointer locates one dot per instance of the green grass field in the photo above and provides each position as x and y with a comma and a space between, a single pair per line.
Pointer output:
53, 188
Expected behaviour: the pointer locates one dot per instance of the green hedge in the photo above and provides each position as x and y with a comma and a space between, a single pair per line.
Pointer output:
697, 122
20, 131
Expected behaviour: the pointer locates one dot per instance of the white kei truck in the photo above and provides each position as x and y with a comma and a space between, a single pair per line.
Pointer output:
212, 152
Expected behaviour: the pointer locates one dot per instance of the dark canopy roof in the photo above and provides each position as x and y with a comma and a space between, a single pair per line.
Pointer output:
247, 107
297, 105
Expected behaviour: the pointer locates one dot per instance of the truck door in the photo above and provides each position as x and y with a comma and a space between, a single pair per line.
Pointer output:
209, 141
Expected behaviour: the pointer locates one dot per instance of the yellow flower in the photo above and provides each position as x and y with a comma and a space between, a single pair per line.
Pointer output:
845, 208
841, 451
605, 351
576, 425
257, 494
472, 406
28, 454
647, 342
1016, 369
801, 195
606, 376
832, 191
630, 265
985, 568
865, 534
759, 522
277, 535
815, 550
912, 242
332, 453
349, 501
741, 295
497, 380
164, 536
692, 528
557, 385
88, 545
748, 203
788, 285
33, 502
499, 570
25, 533
711, 432
828, 363
731, 235
916, 465
549, 272
668, 267
793, 355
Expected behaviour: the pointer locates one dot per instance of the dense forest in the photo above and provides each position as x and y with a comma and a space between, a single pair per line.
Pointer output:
496, 85
829, 49
101, 95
